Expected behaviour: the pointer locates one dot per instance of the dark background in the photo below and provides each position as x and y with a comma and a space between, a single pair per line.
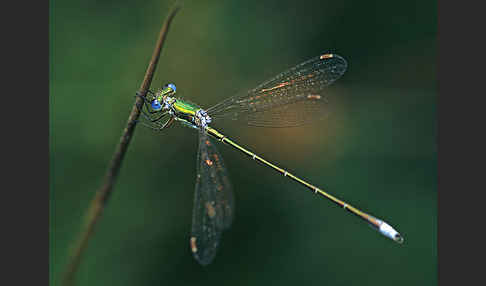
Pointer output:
377, 150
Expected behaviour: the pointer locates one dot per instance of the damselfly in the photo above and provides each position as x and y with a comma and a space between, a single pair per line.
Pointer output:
292, 98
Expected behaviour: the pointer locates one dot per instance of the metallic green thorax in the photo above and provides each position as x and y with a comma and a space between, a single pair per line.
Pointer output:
185, 112
184, 107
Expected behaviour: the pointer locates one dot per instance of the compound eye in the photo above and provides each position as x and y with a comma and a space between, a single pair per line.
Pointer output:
156, 105
171, 86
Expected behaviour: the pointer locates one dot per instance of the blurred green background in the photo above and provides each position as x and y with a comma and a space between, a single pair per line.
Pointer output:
377, 150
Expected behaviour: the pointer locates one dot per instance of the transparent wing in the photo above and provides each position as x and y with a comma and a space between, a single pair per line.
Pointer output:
213, 202
292, 98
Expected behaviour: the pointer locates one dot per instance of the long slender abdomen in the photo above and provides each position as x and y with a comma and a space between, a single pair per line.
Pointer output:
376, 223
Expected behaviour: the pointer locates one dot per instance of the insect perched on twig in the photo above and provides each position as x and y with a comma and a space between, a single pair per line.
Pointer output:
292, 98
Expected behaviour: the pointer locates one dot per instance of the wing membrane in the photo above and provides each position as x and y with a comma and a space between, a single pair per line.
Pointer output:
292, 98
213, 202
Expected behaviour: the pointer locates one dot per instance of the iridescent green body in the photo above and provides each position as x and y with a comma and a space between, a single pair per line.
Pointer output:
181, 110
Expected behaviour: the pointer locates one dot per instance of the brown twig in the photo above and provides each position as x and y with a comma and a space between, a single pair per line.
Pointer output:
103, 194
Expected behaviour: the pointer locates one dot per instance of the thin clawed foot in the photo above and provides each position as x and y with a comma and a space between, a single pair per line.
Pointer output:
168, 122
147, 125
159, 126
151, 119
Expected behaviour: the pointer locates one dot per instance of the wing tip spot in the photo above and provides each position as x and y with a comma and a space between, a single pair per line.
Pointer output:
326, 56
314, 96
193, 245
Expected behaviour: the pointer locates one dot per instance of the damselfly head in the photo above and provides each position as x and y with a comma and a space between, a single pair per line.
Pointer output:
163, 99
